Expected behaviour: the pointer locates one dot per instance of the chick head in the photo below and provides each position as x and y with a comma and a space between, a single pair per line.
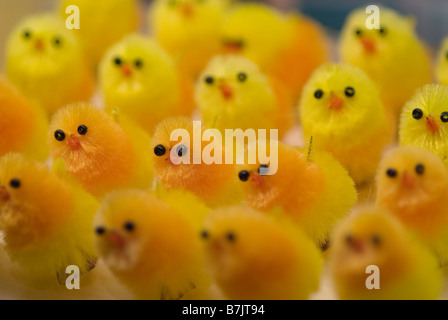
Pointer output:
340, 100
411, 178
41, 46
34, 203
424, 120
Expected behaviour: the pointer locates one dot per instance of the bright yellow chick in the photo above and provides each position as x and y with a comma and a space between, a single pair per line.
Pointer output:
102, 153
423, 122
406, 269
442, 63
46, 221
276, 42
23, 125
313, 189
102, 23
139, 78
44, 61
413, 185
233, 93
255, 257
215, 184
152, 245
393, 56
342, 110
189, 30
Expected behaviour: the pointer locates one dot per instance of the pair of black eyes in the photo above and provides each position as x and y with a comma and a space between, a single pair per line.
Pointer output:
245, 175
138, 63
60, 135
230, 236
375, 240
128, 226
160, 150
419, 169
349, 92
382, 31
241, 77
417, 114
57, 41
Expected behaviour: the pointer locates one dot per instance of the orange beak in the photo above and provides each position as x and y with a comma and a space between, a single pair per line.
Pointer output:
127, 71
408, 180
187, 10
357, 246
226, 91
431, 124
368, 45
4, 194
116, 239
257, 179
335, 102
232, 47
217, 245
39, 45
73, 143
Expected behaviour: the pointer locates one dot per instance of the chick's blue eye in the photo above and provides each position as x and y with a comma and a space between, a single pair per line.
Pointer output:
181, 150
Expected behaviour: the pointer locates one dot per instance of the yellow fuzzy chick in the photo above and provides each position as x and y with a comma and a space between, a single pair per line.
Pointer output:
102, 153
255, 257
423, 122
312, 188
413, 185
215, 184
276, 42
23, 125
342, 110
393, 56
442, 63
152, 244
233, 93
139, 78
46, 221
44, 61
102, 23
406, 269
189, 30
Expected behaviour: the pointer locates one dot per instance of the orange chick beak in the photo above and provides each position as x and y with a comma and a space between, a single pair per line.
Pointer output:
39, 45
431, 124
187, 10
4, 194
127, 71
73, 143
357, 246
335, 102
217, 246
226, 91
368, 45
257, 179
116, 239
408, 180
232, 47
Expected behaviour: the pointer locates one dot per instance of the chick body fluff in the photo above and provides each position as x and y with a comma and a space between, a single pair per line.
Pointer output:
393, 56
101, 152
342, 110
102, 23
233, 93
46, 221
189, 30
139, 78
413, 185
407, 270
423, 121
152, 244
312, 189
23, 125
275, 42
255, 257
215, 184
44, 61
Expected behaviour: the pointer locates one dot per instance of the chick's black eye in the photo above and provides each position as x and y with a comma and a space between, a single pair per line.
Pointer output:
444, 117
417, 114
420, 168
263, 169
348, 239
118, 61
204, 234
244, 175
375, 240
209, 80
318, 94
159, 150
391, 173
129, 226
27, 34
358, 32
59, 135
230, 236
14, 183
57, 41
349, 92
138, 63
181, 150
383, 31
82, 129
100, 230
242, 77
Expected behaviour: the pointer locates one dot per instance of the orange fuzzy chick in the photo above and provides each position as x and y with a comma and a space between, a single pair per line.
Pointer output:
413, 185
101, 152
372, 237
255, 257
215, 184
312, 188
23, 125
